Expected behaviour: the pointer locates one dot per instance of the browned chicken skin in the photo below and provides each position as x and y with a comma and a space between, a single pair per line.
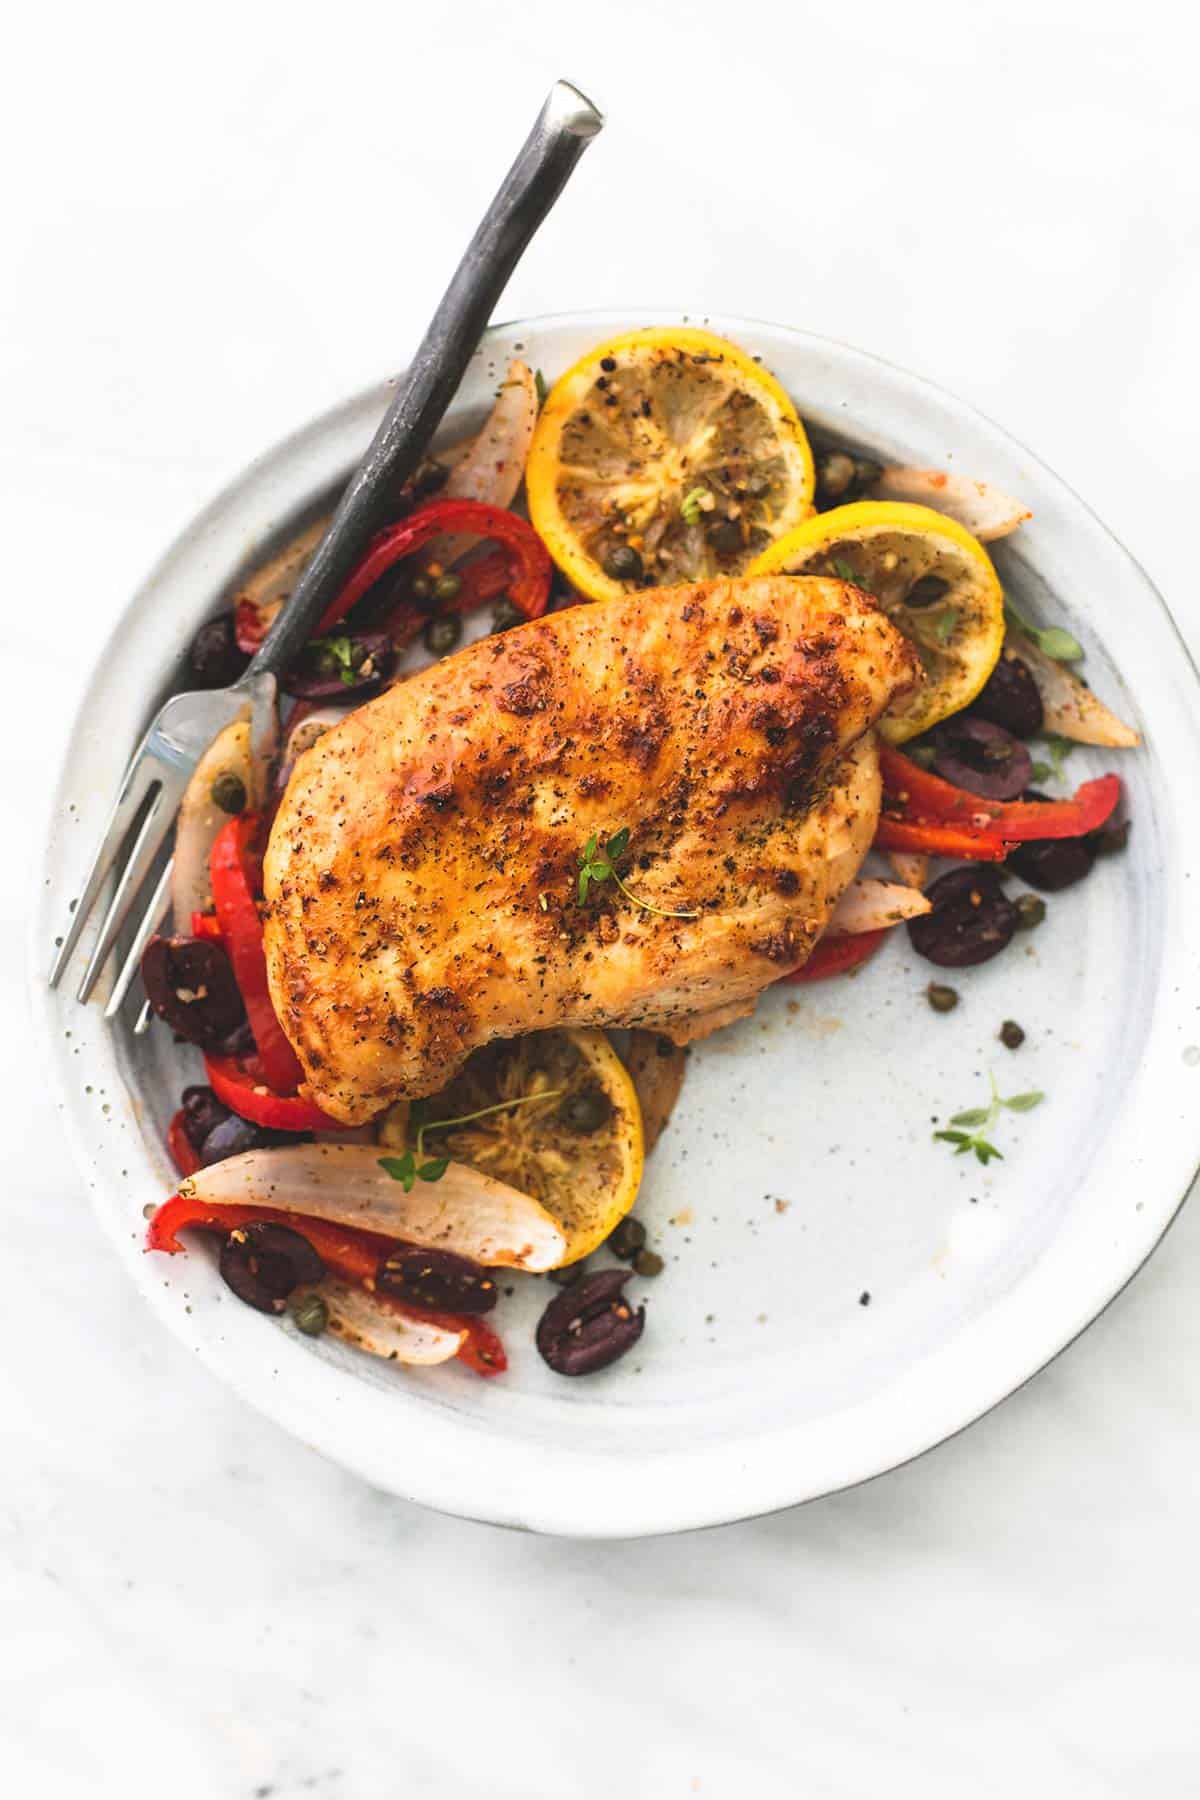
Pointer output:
422, 873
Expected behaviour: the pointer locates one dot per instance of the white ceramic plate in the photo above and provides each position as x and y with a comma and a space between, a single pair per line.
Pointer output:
799, 1173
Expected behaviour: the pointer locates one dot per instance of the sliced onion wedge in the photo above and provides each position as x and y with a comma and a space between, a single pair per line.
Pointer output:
986, 511
912, 866
1070, 708
494, 463
466, 1211
357, 1318
873, 905
200, 819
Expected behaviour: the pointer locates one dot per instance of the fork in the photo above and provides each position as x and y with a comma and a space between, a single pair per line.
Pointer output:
160, 768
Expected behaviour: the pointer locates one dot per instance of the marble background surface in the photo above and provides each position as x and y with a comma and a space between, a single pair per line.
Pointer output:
218, 223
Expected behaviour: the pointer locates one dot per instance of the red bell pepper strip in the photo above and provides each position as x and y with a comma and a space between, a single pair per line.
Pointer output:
938, 840
240, 1084
924, 798
234, 884
183, 1152
353, 1254
839, 955
524, 575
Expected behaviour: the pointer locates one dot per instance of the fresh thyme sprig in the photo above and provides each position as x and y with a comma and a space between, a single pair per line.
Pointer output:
980, 1119
596, 864
692, 505
409, 1170
424, 1125
406, 1169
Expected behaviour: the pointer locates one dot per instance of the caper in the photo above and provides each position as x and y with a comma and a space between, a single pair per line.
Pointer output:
726, 538
835, 475
564, 1277
927, 591
422, 589
942, 999
228, 792
430, 476
628, 1239
505, 614
1011, 1035
440, 635
447, 586
587, 1110
622, 563
310, 1314
648, 1263
1030, 911
866, 473
922, 754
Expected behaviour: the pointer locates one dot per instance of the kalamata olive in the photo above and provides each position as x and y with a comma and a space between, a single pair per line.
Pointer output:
589, 1324
233, 1135
1110, 839
202, 1113
263, 1262
1010, 697
971, 921
1052, 863
189, 983
436, 1279
214, 660
981, 757
239, 1042
341, 668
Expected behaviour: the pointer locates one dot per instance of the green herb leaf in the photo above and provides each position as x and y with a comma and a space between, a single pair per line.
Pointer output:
1041, 771
952, 1137
401, 1169
692, 504
589, 849
1059, 644
617, 846
985, 1151
539, 382
944, 624
1024, 1102
433, 1171
1060, 748
977, 1115
585, 875
845, 572
1052, 641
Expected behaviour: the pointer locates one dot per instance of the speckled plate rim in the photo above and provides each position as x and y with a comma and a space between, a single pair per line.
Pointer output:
430, 1456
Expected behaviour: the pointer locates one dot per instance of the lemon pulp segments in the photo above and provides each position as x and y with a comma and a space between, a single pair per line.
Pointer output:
579, 1152
933, 579
663, 456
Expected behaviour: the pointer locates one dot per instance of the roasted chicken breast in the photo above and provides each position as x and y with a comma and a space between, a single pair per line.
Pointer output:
422, 877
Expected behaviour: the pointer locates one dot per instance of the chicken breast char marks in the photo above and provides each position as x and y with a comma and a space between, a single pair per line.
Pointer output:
422, 872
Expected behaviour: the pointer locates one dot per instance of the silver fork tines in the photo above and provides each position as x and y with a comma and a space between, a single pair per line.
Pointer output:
152, 788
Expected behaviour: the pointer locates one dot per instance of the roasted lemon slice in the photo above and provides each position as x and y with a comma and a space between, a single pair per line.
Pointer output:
556, 1115
932, 578
665, 456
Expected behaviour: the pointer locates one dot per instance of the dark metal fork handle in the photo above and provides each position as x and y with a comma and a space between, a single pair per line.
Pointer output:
566, 124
